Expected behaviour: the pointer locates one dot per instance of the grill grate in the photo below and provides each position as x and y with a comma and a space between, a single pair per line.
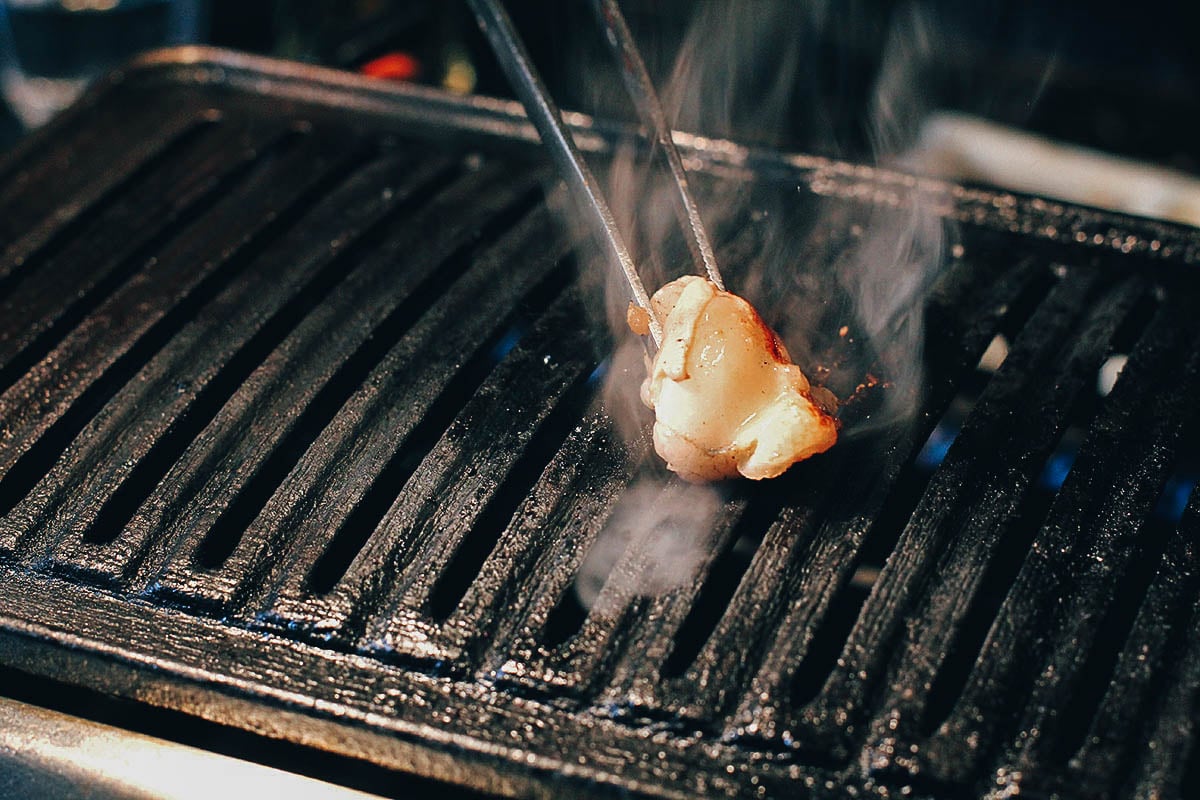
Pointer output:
312, 446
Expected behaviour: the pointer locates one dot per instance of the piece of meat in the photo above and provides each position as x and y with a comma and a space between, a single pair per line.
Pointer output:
727, 398
638, 319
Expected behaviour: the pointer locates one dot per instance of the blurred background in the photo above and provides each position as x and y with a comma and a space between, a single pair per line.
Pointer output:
1119, 77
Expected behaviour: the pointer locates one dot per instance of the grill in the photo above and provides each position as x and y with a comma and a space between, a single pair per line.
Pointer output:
300, 434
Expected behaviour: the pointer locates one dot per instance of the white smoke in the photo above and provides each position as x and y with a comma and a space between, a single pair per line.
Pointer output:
739, 74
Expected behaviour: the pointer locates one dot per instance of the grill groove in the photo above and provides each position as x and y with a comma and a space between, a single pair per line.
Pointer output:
868, 517
83, 183
455, 495
315, 447
161, 205
436, 392
1037, 384
1115, 451
44, 416
302, 258
324, 478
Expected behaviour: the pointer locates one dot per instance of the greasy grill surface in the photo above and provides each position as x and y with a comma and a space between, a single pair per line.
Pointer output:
300, 432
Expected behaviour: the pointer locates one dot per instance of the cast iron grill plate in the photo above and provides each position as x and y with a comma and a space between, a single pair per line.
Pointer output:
300, 433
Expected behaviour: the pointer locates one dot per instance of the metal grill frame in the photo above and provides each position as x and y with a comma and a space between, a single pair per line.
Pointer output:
411, 698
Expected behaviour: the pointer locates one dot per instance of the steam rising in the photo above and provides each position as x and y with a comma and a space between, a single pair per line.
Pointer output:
784, 252
652, 544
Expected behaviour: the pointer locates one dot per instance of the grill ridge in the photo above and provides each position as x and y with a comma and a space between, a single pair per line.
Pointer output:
1105, 567
216, 547
1097, 672
368, 554
208, 340
520, 660
988, 531
19, 361
30, 226
25, 469
115, 513
843, 540
462, 385
637, 695
1050, 558
712, 601
35, 264
393, 348
376, 345
457, 392
587, 656
174, 577
460, 573
216, 394
555, 365
1004, 566
989, 524
717, 679
1173, 733
578, 499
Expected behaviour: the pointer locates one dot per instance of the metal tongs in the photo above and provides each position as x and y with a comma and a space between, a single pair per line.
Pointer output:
545, 116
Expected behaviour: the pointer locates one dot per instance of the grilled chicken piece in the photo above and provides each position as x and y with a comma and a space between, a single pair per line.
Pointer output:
726, 396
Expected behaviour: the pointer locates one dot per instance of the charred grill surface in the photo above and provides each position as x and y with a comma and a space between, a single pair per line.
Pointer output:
300, 432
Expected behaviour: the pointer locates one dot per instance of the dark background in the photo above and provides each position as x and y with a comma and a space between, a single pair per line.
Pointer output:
1117, 76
